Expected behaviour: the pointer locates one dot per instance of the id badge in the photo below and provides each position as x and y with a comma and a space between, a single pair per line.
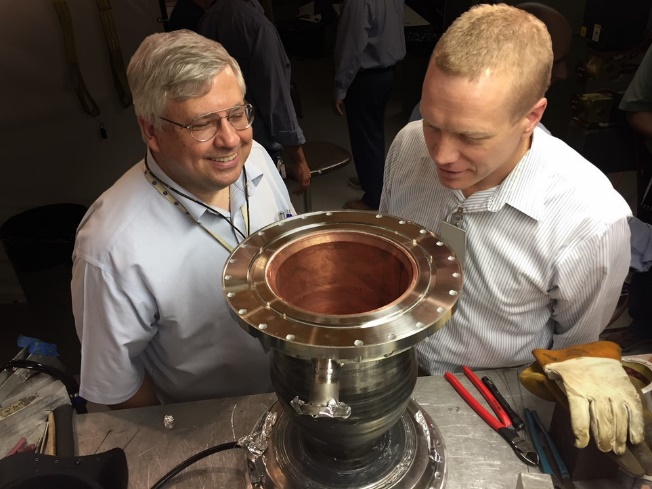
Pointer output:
455, 238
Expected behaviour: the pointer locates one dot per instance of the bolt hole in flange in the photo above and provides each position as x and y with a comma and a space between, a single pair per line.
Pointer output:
383, 283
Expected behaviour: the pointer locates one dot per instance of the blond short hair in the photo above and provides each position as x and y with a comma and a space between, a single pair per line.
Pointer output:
177, 65
503, 40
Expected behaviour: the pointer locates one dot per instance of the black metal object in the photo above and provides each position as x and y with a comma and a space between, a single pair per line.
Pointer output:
64, 439
164, 19
611, 149
106, 470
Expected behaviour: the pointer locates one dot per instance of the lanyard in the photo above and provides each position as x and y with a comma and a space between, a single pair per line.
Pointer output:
173, 200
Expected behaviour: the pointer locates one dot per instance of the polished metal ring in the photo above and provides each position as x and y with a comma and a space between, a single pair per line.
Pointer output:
344, 285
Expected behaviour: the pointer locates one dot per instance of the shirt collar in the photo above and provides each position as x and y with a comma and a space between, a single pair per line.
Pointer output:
254, 176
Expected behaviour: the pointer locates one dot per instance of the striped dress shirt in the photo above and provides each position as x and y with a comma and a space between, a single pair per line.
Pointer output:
547, 251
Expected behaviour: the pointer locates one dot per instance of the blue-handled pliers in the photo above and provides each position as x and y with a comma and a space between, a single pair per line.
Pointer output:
536, 430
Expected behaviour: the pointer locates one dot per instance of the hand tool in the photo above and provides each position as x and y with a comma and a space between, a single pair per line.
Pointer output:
517, 422
536, 430
502, 424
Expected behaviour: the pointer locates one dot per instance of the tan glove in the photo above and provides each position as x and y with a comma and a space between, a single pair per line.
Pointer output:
637, 459
601, 398
536, 380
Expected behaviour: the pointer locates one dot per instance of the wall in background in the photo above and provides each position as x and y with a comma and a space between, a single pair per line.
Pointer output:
51, 151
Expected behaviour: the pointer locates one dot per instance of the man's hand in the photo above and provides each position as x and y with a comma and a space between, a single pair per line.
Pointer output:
297, 167
301, 174
338, 106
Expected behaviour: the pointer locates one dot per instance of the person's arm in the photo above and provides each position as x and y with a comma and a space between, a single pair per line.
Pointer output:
641, 122
297, 167
587, 284
637, 99
145, 396
352, 38
112, 327
270, 89
641, 245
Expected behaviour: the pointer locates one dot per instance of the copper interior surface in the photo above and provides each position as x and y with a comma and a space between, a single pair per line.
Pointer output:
340, 272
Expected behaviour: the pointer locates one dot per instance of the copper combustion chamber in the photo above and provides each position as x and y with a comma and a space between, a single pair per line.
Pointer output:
342, 297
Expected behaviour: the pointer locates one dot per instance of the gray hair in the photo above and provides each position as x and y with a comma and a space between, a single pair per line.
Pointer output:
178, 65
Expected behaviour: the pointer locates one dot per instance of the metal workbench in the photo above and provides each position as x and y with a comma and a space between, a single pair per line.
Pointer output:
476, 456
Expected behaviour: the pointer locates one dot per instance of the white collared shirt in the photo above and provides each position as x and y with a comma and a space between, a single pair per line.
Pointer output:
546, 256
147, 293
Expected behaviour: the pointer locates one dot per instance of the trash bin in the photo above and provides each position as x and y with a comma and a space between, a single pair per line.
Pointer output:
39, 243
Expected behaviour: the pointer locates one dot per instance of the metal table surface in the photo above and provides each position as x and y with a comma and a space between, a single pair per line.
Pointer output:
476, 456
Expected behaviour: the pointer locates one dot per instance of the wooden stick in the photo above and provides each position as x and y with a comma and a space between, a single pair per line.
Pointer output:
41, 443
50, 447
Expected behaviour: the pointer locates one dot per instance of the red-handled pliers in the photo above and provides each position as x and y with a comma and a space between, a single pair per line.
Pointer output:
502, 424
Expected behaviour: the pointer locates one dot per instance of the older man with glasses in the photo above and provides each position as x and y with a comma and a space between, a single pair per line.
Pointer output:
149, 253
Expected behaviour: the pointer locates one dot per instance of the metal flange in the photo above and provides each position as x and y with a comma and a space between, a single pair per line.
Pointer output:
343, 285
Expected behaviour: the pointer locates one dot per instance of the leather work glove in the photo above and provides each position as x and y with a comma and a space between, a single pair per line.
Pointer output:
536, 380
602, 398
589, 381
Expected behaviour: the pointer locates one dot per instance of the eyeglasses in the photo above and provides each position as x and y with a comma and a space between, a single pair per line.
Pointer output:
204, 127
